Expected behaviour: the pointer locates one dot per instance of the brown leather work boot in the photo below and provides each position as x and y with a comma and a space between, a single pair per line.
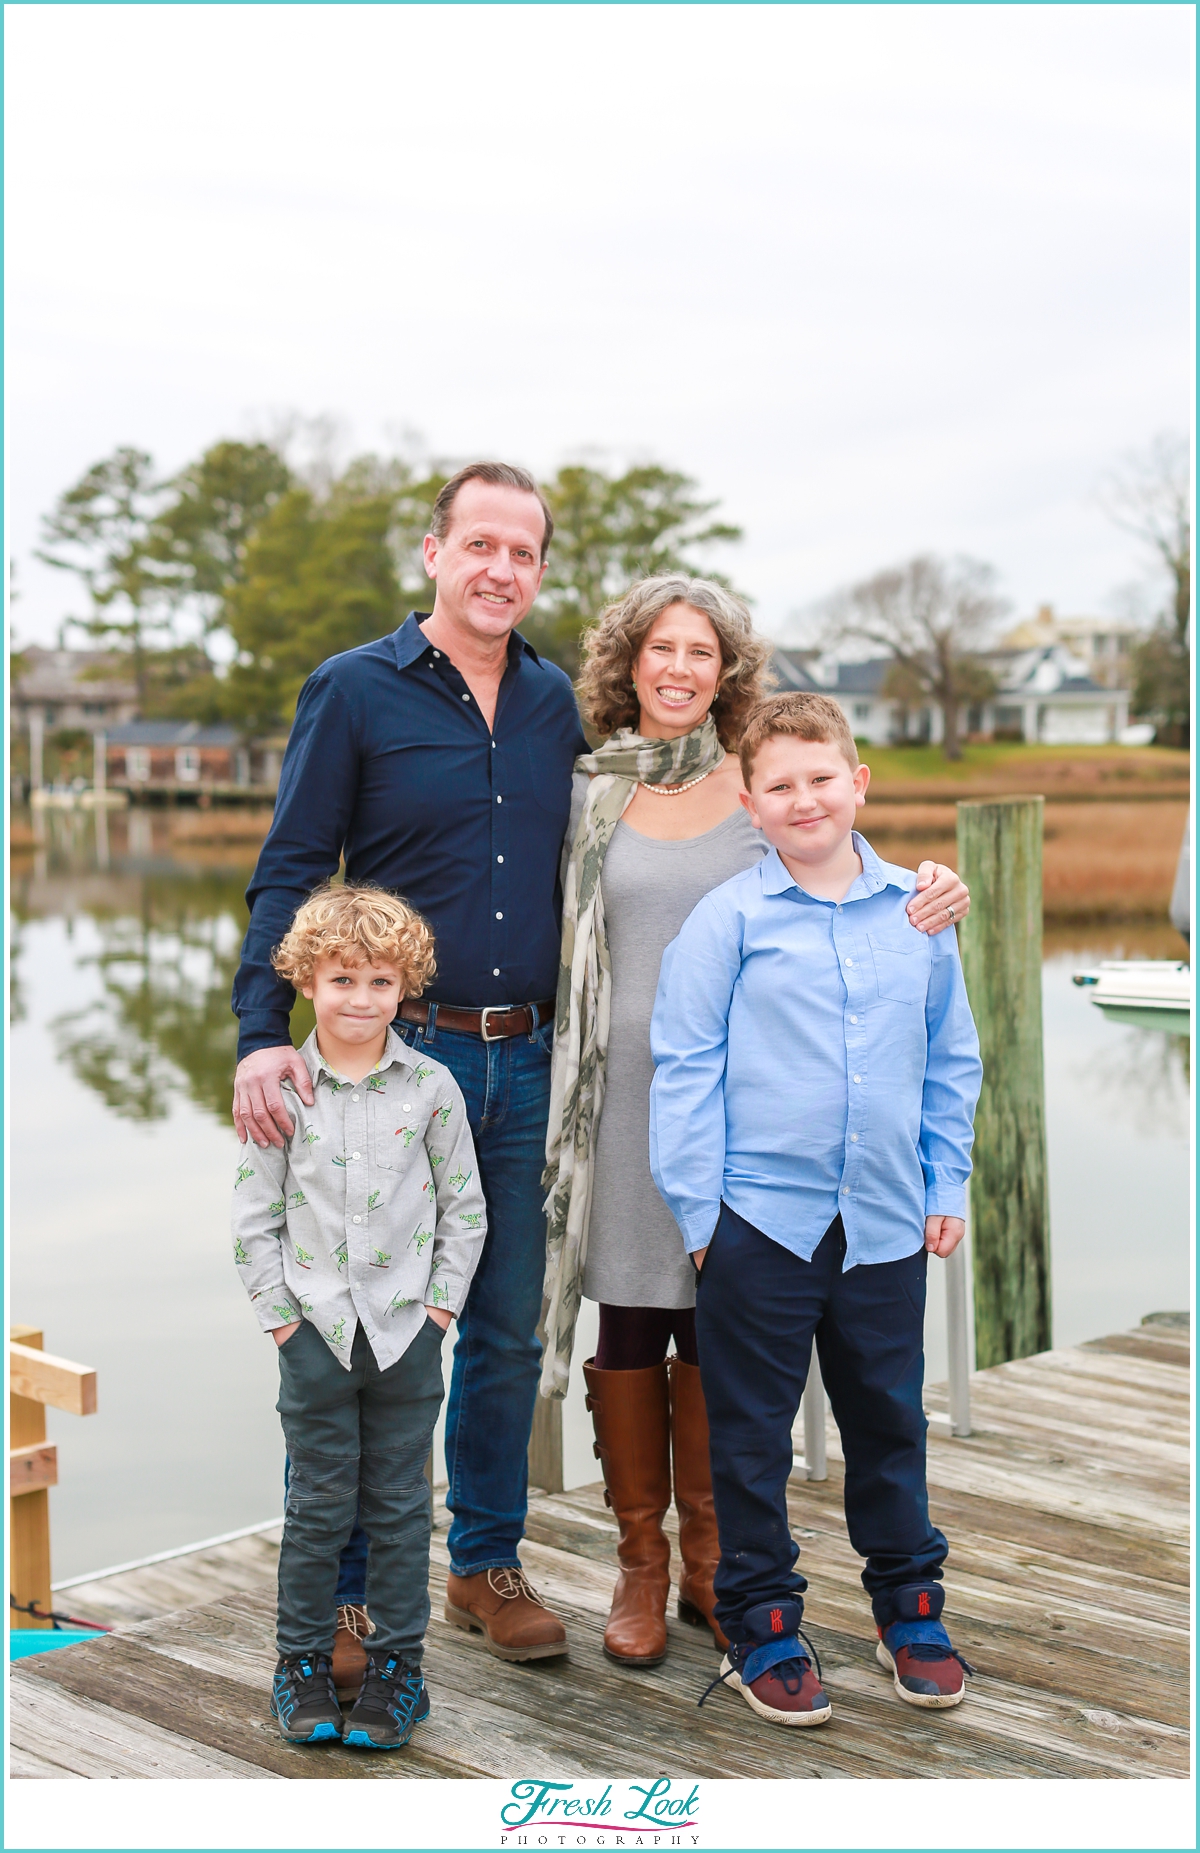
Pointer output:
349, 1649
698, 1544
504, 1606
633, 1444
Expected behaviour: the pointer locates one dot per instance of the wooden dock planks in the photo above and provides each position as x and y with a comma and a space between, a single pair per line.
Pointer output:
1067, 1515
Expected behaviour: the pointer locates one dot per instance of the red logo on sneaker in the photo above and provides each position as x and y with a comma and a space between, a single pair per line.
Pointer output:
776, 1621
923, 1603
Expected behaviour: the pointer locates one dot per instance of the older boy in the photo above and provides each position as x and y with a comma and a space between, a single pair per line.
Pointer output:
357, 1242
811, 1128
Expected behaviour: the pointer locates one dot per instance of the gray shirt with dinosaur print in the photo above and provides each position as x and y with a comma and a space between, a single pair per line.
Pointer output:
372, 1209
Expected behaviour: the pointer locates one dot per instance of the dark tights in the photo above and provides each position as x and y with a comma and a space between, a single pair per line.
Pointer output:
636, 1337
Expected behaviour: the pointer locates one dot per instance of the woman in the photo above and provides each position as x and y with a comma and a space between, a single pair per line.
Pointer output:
669, 675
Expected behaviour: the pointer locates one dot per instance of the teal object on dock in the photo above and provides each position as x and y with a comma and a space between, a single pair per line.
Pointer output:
25, 1641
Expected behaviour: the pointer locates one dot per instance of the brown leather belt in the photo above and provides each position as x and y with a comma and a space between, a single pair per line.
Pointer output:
494, 1023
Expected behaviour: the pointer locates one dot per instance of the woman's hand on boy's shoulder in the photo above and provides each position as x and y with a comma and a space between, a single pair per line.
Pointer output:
941, 899
259, 1112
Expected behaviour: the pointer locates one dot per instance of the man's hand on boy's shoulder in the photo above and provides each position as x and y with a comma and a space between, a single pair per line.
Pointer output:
943, 1234
941, 899
258, 1109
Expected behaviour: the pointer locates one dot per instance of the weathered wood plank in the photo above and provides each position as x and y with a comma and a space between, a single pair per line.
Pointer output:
55, 1734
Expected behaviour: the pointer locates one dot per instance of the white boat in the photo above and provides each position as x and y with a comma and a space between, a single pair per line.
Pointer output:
1155, 993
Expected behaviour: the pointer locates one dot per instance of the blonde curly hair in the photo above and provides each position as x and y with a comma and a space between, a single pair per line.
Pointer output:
361, 925
612, 645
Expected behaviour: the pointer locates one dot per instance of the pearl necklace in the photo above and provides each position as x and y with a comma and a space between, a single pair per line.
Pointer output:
673, 791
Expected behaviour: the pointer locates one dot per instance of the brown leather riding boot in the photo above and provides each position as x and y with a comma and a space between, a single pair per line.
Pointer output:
630, 1416
698, 1544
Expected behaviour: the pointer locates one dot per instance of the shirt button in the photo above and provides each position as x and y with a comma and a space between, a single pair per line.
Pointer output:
499, 800
854, 1138
849, 961
495, 971
839, 910
358, 1219
854, 1019
499, 916
355, 1154
466, 698
437, 653
857, 1079
407, 1107
354, 1096
845, 1190
499, 858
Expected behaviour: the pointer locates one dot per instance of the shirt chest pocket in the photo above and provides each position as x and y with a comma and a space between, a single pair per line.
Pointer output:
901, 965
399, 1123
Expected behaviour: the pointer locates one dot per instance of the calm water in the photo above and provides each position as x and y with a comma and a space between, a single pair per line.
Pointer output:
122, 1156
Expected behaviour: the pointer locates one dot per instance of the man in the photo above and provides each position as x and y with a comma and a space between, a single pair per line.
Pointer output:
438, 762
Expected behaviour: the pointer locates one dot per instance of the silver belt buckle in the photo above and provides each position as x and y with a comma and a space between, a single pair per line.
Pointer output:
493, 1010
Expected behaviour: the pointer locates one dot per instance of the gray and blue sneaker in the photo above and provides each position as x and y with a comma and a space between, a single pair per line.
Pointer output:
304, 1701
392, 1702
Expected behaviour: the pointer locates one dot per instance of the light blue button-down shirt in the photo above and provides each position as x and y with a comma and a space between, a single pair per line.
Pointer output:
813, 1057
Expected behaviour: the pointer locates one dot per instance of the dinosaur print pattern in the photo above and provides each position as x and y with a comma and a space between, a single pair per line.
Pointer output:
316, 1236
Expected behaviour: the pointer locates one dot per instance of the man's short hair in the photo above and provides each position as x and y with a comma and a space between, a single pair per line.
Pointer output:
797, 715
361, 925
502, 476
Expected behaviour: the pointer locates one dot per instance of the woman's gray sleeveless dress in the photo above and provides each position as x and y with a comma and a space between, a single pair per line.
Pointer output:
635, 1253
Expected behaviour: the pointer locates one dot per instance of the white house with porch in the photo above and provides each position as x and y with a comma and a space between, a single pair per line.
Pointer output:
1044, 694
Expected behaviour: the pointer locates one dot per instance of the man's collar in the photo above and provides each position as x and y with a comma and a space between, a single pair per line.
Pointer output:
395, 1050
876, 874
411, 642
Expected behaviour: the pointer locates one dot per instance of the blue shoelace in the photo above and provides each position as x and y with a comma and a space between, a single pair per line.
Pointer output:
790, 1673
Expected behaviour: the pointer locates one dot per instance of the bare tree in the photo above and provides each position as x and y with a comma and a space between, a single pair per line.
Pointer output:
929, 615
1149, 495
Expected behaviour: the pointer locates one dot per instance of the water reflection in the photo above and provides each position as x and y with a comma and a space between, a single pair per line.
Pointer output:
159, 1024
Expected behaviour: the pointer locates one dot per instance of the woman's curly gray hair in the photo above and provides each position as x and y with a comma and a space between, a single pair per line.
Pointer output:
612, 645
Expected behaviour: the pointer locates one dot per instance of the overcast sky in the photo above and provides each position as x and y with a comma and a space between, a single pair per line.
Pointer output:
882, 278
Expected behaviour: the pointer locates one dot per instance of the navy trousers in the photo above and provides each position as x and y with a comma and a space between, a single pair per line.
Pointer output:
758, 1307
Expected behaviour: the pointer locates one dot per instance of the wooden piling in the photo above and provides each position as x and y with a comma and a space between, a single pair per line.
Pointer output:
29, 1512
1000, 859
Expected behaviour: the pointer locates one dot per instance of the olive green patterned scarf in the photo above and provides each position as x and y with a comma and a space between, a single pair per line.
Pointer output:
581, 1021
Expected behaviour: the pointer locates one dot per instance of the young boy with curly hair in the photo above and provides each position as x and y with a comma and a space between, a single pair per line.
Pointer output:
357, 1242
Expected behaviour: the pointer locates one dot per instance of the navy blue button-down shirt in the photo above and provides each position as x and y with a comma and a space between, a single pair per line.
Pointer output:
391, 764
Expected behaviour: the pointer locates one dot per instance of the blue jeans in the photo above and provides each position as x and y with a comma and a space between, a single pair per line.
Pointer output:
757, 1309
489, 1412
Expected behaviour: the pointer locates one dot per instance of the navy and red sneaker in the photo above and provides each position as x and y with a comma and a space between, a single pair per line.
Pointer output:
772, 1671
915, 1648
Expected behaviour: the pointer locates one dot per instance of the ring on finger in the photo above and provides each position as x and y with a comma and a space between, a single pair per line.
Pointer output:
949, 913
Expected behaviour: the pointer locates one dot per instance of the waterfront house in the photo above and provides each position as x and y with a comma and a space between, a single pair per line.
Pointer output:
182, 759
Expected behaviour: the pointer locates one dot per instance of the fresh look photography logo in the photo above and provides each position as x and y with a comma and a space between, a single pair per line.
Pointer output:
657, 1813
